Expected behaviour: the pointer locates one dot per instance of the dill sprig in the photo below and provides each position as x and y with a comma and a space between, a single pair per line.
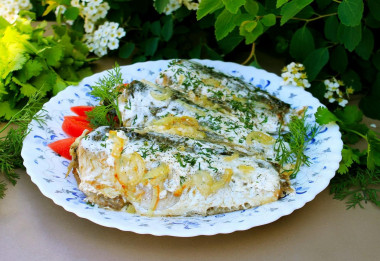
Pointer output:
11, 143
361, 185
107, 89
290, 147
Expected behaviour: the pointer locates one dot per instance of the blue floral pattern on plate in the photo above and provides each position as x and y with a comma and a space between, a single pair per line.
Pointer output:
48, 170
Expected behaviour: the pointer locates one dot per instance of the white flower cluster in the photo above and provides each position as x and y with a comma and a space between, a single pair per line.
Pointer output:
106, 36
333, 92
9, 9
97, 38
294, 74
91, 11
176, 4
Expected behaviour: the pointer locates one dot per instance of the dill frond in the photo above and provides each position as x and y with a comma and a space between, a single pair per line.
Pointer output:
360, 186
107, 89
290, 147
11, 143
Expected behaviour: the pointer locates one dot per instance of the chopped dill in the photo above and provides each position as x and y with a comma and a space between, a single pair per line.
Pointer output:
182, 180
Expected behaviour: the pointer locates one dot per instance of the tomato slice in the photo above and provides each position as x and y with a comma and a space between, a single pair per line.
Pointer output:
81, 110
62, 147
75, 125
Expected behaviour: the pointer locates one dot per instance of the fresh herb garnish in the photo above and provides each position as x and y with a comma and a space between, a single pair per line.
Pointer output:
107, 89
359, 171
299, 135
184, 160
182, 180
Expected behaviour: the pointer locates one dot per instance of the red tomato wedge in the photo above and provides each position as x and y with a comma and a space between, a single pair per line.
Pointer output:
81, 110
75, 125
62, 147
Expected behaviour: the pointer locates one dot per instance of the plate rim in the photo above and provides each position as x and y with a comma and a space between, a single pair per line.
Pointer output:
330, 171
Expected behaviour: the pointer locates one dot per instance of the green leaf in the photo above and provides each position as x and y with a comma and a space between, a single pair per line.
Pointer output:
365, 47
350, 115
3, 23
53, 55
211, 54
323, 116
229, 43
252, 7
373, 156
208, 7
370, 106
167, 29
350, 12
155, 28
280, 3
151, 46
371, 22
318, 90
289, 10
249, 26
27, 14
126, 50
301, 44
65, 2
349, 36
224, 24
71, 13
375, 90
315, 61
352, 79
6, 110
374, 8
233, 5
160, 5
242, 17
268, 20
44, 82
26, 89
255, 64
322, 4
30, 69
339, 59
349, 156
331, 28
195, 53
60, 85
250, 37
376, 60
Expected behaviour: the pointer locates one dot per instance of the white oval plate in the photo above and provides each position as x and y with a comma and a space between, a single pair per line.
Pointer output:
47, 170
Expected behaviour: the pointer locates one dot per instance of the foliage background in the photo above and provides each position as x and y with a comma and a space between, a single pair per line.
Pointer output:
332, 38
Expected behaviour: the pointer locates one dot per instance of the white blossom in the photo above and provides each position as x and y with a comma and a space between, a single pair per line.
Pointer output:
106, 37
294, 74
91, 12
334, 93
342, 102
174, 5
9, 10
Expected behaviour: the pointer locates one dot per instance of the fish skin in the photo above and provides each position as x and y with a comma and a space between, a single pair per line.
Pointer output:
218, 127
98, 184
191, 77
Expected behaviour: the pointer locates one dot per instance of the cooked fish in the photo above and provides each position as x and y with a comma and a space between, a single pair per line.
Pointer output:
160, 174
214, 90
146, 105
